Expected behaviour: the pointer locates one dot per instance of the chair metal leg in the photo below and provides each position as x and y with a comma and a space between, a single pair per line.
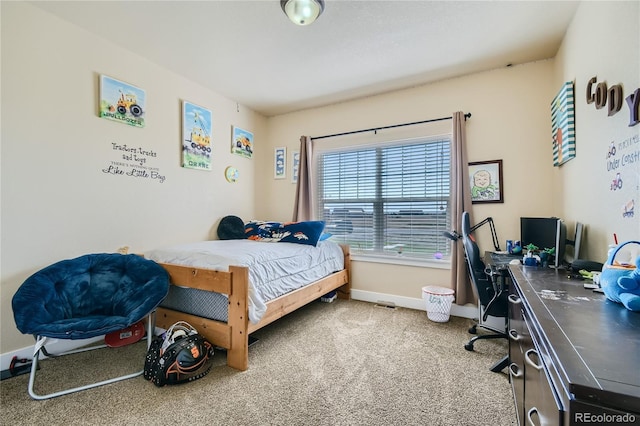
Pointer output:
469, 345
500, 365
39, 347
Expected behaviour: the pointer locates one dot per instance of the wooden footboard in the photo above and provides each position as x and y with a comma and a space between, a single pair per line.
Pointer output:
234, 335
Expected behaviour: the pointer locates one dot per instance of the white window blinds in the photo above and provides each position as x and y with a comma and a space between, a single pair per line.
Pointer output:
388, 200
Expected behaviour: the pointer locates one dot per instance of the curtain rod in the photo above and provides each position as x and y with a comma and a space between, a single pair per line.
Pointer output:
374, 129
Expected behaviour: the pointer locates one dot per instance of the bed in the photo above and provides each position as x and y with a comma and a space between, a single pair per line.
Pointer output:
210, 274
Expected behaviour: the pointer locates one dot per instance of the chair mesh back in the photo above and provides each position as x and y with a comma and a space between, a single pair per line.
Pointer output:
479, 279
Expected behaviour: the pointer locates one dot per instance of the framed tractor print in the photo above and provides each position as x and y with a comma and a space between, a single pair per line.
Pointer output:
196, 137
242, 142
120, 101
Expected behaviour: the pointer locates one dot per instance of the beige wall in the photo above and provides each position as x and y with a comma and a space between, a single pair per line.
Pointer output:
510, 121
602, 42
56, 201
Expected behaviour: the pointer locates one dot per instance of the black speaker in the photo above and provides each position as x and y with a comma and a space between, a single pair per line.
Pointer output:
587, 265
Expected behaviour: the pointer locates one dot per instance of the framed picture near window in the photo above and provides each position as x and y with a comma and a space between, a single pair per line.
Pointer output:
295, 165
485, 178
280, 163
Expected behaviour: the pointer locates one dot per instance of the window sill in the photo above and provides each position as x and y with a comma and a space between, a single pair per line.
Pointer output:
404, 261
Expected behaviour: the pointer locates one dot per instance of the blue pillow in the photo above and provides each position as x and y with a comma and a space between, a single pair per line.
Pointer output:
325, 236
307, 232
260, 231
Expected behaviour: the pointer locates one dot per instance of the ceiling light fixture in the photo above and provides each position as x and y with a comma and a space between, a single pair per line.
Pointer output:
302, 12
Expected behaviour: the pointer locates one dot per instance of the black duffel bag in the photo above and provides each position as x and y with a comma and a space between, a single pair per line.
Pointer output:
180, 355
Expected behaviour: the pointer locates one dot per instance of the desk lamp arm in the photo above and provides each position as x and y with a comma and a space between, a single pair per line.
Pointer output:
494, 235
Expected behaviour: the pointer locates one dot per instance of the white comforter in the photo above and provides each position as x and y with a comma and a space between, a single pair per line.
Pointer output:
274, 268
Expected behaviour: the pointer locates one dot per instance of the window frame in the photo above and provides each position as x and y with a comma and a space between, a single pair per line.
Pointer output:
379, 202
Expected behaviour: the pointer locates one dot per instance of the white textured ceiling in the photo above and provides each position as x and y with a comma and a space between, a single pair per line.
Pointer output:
251, 53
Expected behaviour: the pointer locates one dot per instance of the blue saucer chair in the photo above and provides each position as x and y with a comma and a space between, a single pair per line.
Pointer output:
86, 297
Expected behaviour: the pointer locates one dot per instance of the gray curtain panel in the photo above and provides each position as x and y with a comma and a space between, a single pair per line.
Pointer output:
461, 201
304, 202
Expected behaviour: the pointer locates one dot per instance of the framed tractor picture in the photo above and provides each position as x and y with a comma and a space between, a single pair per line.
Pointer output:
121, 102
196, 136
242, 142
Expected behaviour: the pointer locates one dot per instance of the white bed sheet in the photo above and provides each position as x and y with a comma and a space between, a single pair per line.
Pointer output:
274, 268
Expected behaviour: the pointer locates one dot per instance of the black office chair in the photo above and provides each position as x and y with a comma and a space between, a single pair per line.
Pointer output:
488, 285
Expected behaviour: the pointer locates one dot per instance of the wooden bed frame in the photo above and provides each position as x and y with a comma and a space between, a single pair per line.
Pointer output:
234, 334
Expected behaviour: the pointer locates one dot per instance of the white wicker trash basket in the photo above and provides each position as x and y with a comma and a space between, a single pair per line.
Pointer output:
438, 302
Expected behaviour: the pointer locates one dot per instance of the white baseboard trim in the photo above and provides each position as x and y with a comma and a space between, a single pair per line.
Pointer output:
54, 346
467, 311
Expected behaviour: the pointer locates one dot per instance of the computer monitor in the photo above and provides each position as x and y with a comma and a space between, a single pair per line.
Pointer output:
545, 233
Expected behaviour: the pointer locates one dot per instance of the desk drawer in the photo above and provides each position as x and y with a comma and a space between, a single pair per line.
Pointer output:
542, 405
519, 342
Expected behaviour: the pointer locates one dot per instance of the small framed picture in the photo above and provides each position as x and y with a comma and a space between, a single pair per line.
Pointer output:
295, 165
123, 102
485, 178
242, 142
280, 163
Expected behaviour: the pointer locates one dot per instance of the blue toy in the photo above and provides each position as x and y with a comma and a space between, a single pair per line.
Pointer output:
622, 284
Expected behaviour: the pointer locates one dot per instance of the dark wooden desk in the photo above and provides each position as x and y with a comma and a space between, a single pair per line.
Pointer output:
584, 346
500, 259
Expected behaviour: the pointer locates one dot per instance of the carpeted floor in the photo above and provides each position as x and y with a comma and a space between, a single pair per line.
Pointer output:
343, 363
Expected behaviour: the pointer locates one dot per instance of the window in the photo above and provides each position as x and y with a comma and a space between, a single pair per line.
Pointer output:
388, 200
